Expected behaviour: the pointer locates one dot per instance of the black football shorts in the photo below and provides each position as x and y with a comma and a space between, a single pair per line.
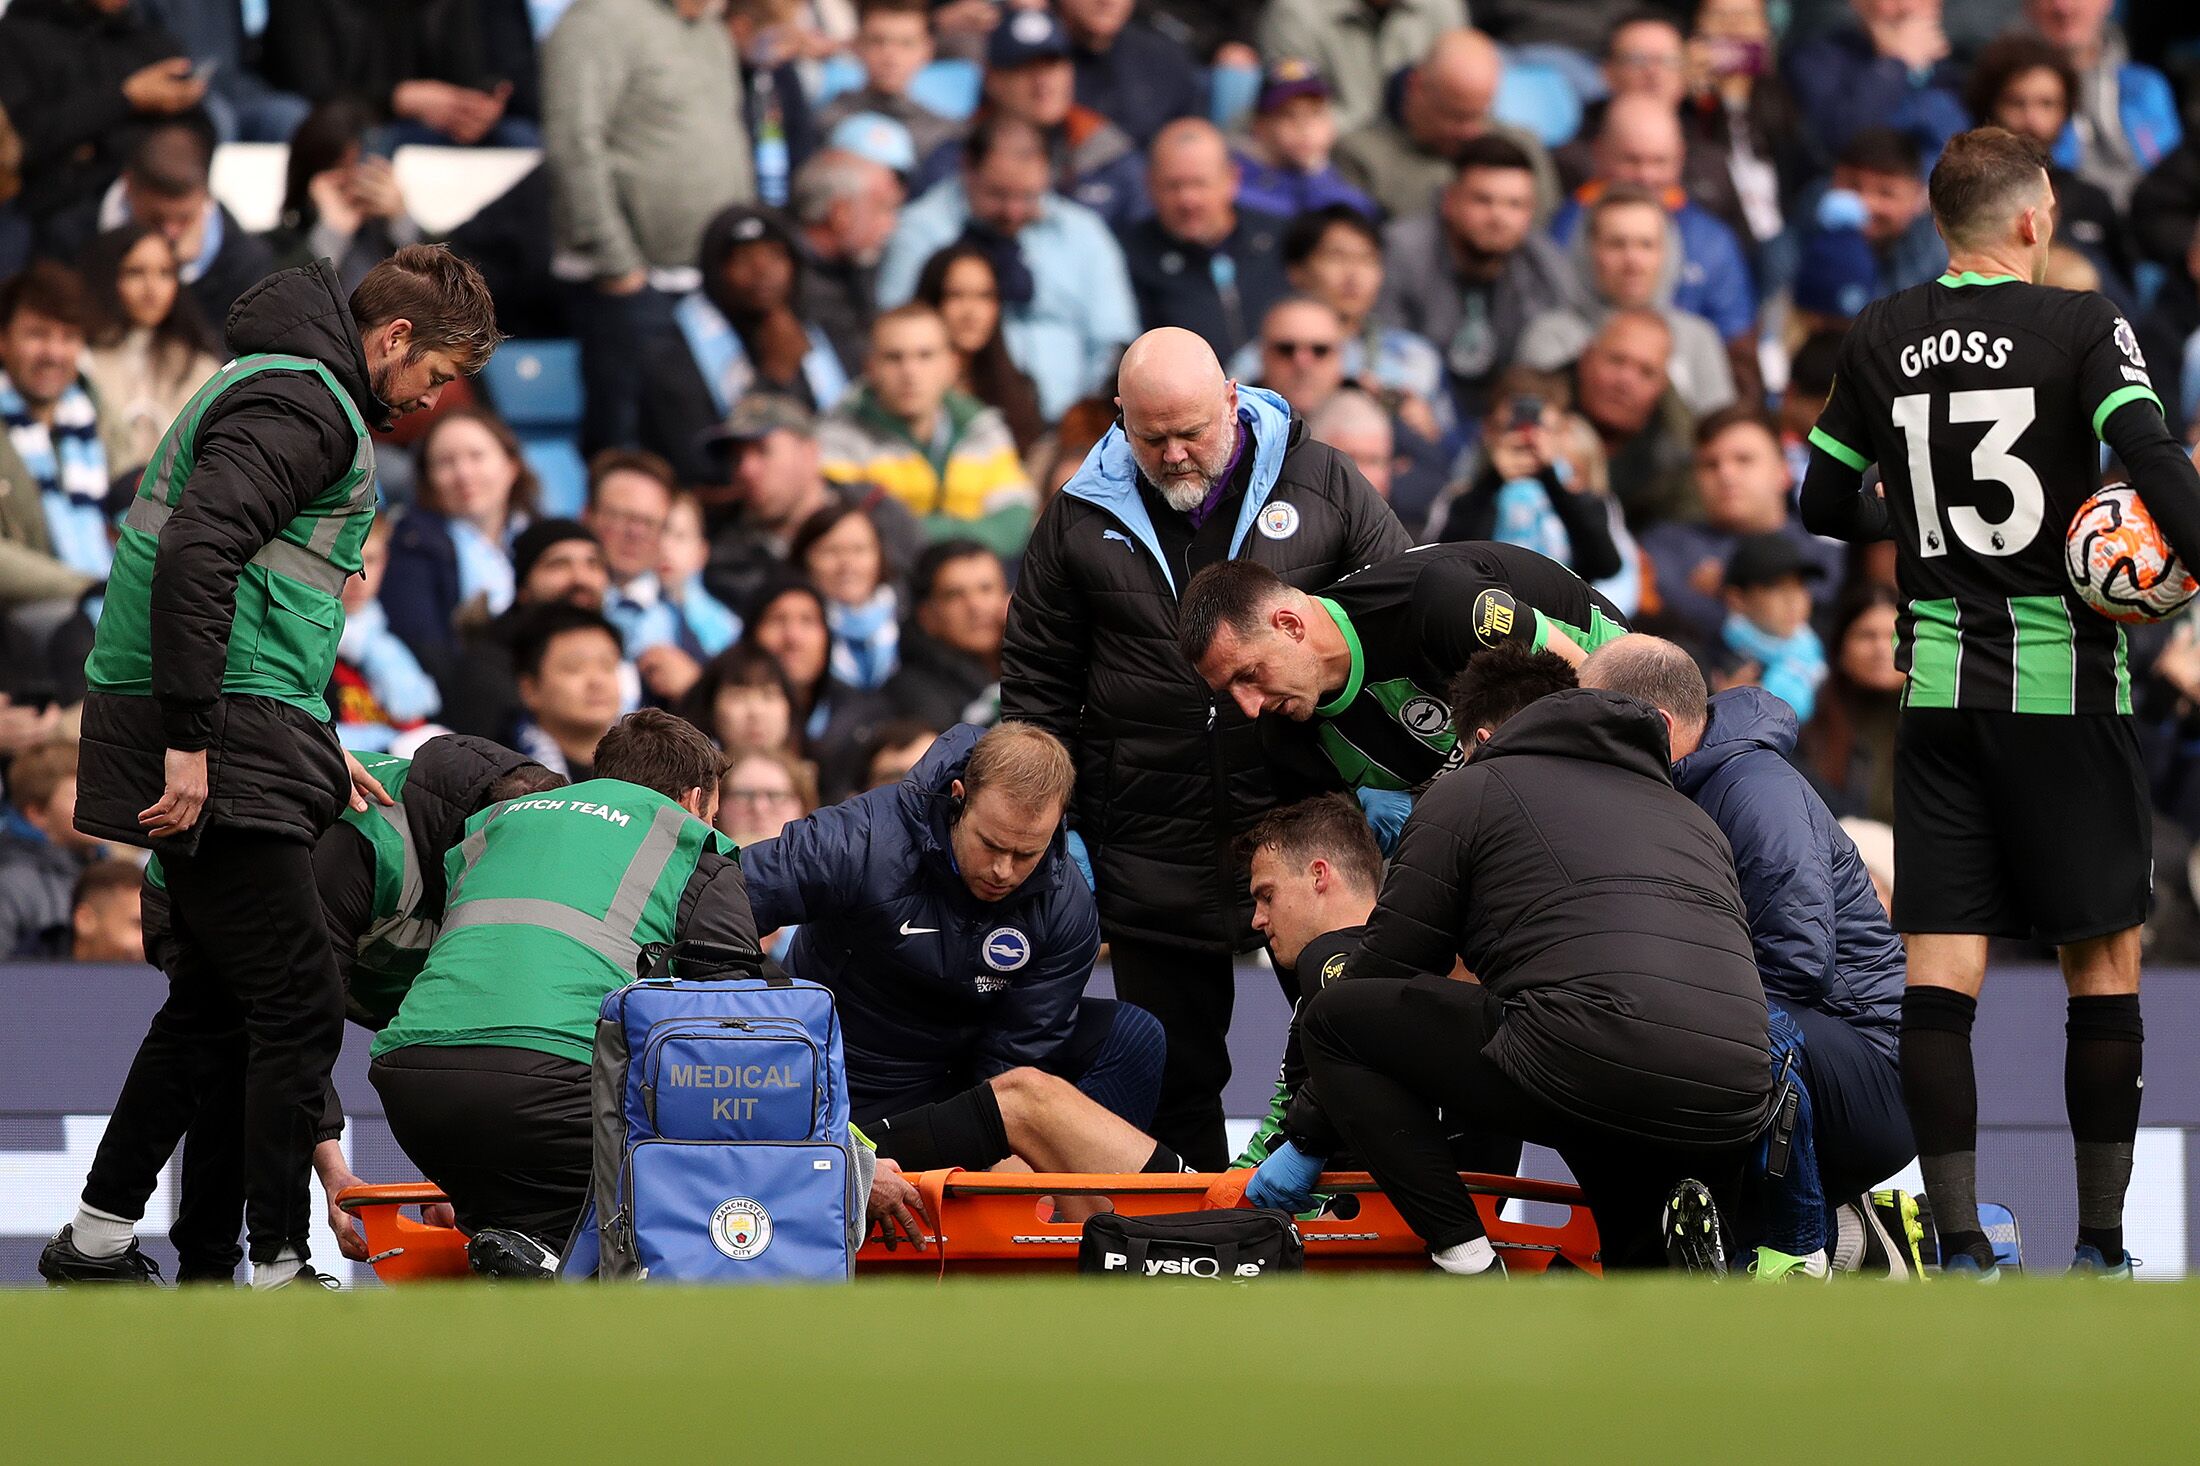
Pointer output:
2033, 826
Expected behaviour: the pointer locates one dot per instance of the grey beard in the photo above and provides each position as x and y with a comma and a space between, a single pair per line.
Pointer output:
1185, 495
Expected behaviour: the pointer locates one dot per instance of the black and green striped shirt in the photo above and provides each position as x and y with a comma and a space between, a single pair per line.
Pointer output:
1982, 400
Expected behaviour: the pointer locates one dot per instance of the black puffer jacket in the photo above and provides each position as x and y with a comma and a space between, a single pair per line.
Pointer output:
1167, 779
268, 446
1601, 906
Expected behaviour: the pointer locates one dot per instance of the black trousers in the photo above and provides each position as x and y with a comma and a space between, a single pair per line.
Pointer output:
1192, 994
505, 1132
1385, 1056
252, 958
1862, 1128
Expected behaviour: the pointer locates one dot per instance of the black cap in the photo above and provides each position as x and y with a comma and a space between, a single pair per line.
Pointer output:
536, 540
1761, 559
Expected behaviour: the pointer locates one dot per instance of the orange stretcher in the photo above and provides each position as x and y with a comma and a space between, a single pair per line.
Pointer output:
997, 1223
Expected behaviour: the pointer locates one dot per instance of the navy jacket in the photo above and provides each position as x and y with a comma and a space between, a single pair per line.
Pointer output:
937, 989
1221, 293
1822, 940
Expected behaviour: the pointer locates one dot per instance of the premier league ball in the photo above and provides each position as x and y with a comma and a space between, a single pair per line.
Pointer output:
2119, 563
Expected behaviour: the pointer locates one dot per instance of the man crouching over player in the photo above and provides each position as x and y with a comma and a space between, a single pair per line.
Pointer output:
1618, 1017
947, 919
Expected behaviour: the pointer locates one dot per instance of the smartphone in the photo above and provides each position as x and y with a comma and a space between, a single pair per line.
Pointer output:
204, 70
1524, 412
1731, 56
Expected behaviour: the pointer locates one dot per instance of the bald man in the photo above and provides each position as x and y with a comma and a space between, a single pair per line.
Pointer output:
1197, 470
1405, 158
1641, 143
1825, 950
1199, 262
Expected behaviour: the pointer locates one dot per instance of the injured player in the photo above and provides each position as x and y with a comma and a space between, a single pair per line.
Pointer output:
956, 936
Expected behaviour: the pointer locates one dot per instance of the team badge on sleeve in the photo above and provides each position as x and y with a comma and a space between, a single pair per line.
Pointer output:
1332, 970
2127, 341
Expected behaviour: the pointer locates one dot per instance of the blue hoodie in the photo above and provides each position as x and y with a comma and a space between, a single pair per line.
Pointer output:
937, 989
1822, 940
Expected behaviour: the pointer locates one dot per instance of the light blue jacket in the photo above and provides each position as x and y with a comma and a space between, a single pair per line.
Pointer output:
1081, 314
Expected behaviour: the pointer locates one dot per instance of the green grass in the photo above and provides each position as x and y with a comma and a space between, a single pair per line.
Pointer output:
1329, 1371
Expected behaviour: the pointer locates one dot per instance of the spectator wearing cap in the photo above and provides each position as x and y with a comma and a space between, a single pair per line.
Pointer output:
741, 333
1767, 626
1468, 271
908, 429
644, 144
1404, 158
1836, 273
41, 851
554, 562
1284, 163
767, 450
1129, 72
1200, 261
1628, 258
1029, 77
1358, 45
893, 43
77, 82
845, 204
2125, 120
1746, 489
1878, 196
59, 447
1066, 299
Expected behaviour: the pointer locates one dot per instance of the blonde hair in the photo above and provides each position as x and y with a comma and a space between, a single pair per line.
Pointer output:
1023, 761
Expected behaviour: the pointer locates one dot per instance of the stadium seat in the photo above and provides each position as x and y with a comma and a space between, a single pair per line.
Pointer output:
248, 179
536, 383
1539, 98
558, 467
445, 187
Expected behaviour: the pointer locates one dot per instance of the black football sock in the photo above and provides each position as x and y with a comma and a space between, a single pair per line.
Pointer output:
1163, 1161
1941, 1090
2102, 1086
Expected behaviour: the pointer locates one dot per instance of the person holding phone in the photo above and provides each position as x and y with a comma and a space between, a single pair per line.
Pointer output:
1533, 481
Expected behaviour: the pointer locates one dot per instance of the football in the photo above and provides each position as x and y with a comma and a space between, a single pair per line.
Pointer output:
2119, 563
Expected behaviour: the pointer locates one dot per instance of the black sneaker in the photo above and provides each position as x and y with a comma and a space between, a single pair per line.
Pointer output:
499, 1252
1691, 1231
61, 1264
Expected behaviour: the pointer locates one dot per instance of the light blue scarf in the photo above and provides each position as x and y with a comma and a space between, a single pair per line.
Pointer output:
866, 639
70, 465
1792, 667
724, 361
393, 674
714, 623
485, 565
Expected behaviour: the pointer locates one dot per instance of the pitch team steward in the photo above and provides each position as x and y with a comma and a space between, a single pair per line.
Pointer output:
1196, 471
206, 736
2021, 806
379, 874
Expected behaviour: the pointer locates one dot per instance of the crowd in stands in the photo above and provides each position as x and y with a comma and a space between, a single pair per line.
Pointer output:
841, 286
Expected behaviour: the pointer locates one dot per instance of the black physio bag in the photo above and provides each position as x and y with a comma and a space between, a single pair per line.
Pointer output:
1191, 1244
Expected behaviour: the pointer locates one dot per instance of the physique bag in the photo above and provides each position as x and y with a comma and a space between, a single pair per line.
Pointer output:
1191, 1244
722, 1146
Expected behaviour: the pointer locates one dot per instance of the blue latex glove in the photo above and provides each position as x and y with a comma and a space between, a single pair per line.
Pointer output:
1285, 1180
1386, 811
1081, 860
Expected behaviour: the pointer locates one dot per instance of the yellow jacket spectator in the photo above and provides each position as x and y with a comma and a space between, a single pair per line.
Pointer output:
948, 457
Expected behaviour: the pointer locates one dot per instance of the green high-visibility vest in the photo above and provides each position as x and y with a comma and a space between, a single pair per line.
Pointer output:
391, 951
552, 899
394, 947
289, 607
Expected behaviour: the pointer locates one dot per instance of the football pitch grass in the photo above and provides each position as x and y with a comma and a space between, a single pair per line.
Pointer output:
1317, 1370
